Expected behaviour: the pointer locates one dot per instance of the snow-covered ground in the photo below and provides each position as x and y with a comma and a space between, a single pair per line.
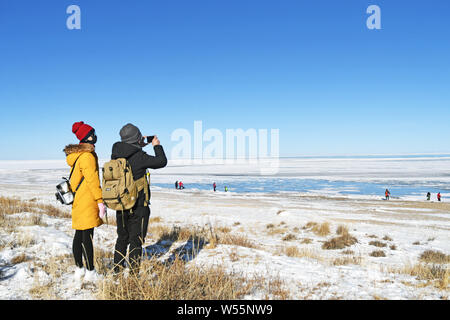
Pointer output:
266, 218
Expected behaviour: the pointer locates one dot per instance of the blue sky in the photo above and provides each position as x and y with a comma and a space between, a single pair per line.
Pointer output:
311, 69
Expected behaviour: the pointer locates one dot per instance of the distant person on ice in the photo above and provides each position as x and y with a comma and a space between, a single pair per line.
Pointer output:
439, 196
428, 196
214, 186
180, 185
132, 224
387, 194
176, 184
88, 207
226, 189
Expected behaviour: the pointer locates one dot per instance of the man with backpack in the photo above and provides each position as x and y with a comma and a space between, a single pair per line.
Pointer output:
130, 197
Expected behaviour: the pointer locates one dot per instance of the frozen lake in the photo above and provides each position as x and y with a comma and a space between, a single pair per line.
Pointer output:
275, 185
405, 176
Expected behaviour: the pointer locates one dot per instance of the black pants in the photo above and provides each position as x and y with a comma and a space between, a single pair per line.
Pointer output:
131, 231
83, 247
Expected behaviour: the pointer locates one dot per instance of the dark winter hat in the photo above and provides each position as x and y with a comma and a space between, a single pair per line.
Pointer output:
81, 130
130, 134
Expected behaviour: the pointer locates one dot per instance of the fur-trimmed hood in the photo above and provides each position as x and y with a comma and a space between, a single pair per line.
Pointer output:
74, 151
77, 148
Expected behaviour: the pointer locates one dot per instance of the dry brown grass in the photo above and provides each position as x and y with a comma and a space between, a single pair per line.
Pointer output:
177, 281
341, 230
234, 256
377, 244
36, 220
155, 220
159, 281
7, 223
289, 237
19, 258
274, 230
346, 260
433, 274
183, 233
223, 229
387, 238
43, 291
432, 256
293, 251
341, 242
309, 225
56, 267
430, 272
322, 229
157, 231
12, 205
277, 290
24, 240
237, 240
378, 253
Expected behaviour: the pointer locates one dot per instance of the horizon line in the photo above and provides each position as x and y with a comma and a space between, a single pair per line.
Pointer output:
285, 157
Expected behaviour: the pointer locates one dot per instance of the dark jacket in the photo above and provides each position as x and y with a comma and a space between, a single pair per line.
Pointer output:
139, 161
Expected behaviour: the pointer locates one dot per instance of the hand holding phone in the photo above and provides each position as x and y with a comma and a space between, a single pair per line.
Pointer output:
153, 140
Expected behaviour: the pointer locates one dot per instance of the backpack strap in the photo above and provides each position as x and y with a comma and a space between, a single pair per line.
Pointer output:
142, 184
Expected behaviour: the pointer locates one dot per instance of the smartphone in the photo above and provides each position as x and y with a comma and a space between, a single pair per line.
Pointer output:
150, 139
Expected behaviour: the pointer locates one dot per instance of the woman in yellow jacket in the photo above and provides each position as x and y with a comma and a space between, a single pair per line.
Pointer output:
88, 207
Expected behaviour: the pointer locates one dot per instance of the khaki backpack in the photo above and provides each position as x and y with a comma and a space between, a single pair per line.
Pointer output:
119, 189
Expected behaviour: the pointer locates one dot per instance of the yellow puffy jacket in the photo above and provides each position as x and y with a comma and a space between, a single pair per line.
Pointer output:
85, 205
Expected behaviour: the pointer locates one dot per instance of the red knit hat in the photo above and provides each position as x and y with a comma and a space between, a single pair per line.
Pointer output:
81, 129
